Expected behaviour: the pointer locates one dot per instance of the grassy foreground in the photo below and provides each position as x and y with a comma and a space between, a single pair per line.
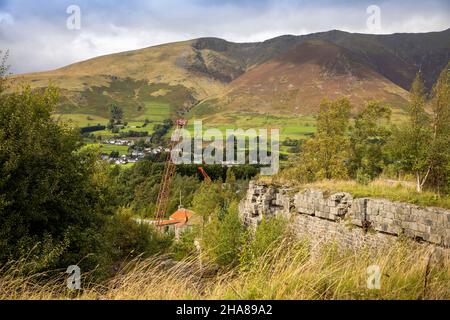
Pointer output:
290, 271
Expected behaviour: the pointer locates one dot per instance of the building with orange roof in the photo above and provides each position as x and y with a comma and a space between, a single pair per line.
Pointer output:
181, 221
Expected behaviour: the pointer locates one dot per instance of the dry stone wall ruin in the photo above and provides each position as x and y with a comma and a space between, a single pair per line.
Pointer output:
350, 222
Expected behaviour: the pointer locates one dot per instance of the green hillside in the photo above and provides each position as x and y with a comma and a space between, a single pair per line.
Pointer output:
243, 85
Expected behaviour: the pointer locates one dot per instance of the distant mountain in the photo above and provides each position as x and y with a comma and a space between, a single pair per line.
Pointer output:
398, 57
297, 81
287, 74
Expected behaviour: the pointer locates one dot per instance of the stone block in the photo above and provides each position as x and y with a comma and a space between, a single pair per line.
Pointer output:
423, 228
434, 238
447, 241
322, 217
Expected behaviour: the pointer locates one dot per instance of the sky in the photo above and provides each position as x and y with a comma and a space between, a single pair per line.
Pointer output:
38, 38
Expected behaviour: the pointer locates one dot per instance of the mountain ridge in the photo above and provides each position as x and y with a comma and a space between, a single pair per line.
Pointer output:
290, 83
184, 74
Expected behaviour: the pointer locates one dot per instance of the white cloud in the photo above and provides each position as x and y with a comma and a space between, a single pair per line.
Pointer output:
6, 19
41, 42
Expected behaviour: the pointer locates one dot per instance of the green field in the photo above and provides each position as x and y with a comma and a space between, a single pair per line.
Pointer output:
293, 127
156, 112
107, 149
132, 126
81, 119
84, 120
139, 100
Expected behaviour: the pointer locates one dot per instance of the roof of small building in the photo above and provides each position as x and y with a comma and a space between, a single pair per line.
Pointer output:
182, 215
167, 223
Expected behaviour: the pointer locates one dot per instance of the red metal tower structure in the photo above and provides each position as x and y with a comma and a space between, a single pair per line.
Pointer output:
167, 178
205, 175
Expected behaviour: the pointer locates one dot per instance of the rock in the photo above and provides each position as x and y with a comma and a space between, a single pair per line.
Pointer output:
344, 218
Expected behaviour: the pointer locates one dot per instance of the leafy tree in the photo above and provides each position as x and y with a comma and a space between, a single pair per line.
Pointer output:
116, 114
114, 154
127, 239
267, 237
115, 130
440, 126
367, 140
185, 246
324, 156
410, 145
230, 187
110, 124
208, 200
222, 237
50, 188
245, 172
186, 187
160, 130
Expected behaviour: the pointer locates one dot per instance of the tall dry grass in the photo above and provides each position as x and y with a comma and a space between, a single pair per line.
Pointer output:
290, 271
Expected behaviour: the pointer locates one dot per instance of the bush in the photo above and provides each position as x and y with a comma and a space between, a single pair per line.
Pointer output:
362, 177
39, 254
50, 188
185, 247
222, 238
127, 238
92, 129
267, 236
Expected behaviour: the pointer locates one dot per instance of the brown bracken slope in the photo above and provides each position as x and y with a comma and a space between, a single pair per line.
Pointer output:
287, 74
298, 80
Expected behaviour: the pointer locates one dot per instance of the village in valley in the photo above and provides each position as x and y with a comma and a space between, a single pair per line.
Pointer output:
134, 155
122, 143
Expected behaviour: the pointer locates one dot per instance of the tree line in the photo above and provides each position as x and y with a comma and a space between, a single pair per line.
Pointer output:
372, 145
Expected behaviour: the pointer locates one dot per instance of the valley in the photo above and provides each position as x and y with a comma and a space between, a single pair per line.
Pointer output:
244, 151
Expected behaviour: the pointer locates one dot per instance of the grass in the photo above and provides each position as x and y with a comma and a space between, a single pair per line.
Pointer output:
138, 99
154, 111
132, 126
395, 191
127, 165
107, 134
107, 149
85, 120
401, 191
291, 271
293, 127
138, 126
159, 65
141, 106
81, 119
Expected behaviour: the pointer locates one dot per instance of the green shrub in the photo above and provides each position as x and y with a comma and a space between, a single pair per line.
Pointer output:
222, 238
185, 246
267, 236
127, 238
50, 188
362, 177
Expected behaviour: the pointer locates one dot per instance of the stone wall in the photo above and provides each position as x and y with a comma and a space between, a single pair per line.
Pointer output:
350, 222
